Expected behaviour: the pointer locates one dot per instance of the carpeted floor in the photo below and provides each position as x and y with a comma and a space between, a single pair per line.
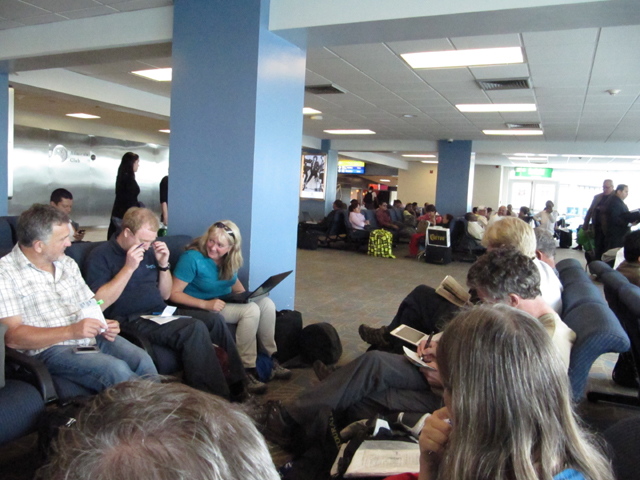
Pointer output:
347, 288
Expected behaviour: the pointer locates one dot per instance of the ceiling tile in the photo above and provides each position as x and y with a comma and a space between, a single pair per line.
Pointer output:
486, 41
617, 35
4, 24
520, 70
14, 10
579, 80
57, 6
132, 5
561, 92
560, 54
414, 46
563, 70
440, 75
561, 37
42, 19
89, 12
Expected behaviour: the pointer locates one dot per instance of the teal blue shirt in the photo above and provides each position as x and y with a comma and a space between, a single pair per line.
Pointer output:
569, 474
201, 275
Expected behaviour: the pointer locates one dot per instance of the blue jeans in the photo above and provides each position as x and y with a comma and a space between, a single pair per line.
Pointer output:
118, 361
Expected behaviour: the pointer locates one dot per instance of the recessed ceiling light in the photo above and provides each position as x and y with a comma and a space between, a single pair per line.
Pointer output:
310, 111
497, 107
351, 132
157, 74
165, 131
429, 161
521, 159
384, 180
82, 115
515, 131
464, 58
408, 115
418, 155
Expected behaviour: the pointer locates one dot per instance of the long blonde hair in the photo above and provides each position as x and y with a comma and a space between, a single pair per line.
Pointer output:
510, 402
232, 261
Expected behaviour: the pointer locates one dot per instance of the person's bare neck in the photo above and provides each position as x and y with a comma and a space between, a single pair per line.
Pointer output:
536, 307
37, 259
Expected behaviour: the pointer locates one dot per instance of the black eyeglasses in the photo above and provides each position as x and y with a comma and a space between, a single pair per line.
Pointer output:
226, 229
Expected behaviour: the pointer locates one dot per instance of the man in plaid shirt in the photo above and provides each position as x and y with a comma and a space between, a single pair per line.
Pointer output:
41, 292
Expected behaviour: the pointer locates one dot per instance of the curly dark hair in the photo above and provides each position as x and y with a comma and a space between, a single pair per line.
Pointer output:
504, 271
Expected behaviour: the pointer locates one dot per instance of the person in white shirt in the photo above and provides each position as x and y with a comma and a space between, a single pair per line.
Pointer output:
356, 218
548, 217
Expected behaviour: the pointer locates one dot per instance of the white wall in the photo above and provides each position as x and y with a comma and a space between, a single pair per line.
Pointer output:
487, 186
418, 183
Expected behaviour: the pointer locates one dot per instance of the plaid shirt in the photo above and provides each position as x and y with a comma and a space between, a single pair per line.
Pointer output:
42, 300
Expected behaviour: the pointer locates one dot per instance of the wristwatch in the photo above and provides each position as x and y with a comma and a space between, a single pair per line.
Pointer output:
164, 269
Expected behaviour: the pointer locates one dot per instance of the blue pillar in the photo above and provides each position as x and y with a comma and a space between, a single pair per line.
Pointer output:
4, 142
236, 131
454, 188
330, 176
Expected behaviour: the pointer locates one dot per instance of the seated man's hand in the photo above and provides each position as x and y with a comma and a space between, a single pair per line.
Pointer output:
87, 328
162, 253
113, 329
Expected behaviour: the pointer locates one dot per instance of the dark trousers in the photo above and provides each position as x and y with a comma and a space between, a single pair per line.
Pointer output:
193, 339
376, 382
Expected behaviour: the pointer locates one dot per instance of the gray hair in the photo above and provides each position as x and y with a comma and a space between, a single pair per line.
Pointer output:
504, 271
37, 224
144, 430
510, 401
510, 232
545, 242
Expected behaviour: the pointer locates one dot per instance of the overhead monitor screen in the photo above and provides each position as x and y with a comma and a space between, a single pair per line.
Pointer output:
351, 166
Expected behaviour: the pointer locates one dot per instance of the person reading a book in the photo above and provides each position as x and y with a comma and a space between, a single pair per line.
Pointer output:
207, 271
530, 433
130, 273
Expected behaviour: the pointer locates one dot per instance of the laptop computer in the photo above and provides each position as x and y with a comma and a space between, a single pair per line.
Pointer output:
262, 290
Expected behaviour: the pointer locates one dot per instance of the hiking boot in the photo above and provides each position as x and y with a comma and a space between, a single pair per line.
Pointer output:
374, 336
255, 386
278, 372
323, 371
279, 426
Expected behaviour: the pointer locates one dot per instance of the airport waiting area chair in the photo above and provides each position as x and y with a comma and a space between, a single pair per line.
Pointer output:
597, 329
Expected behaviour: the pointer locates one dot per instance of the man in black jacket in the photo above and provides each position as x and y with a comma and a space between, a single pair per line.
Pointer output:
618, 217
595, 215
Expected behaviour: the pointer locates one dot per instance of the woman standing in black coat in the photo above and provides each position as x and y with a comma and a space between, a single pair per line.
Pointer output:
127, 189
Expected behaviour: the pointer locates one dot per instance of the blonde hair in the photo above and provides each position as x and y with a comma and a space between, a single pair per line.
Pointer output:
232, 261
511, 232
510, 402
135, 218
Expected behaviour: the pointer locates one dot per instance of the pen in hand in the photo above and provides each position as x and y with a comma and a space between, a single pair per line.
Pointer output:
428, 344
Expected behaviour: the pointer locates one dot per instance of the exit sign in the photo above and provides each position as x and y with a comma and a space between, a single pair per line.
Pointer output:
534, 172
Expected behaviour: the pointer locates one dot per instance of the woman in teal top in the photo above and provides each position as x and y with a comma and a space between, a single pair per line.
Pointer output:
207, 271
508, 412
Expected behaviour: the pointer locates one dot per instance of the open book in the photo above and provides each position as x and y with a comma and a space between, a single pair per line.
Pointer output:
453, 291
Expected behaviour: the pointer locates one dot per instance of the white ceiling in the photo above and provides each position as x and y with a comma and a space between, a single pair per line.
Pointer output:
570, 72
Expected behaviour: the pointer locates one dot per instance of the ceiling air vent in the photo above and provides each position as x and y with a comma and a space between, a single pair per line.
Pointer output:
322, 89
528, 126
504, 84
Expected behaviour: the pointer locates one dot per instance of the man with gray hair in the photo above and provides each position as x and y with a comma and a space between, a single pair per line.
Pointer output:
596, 215
142, 430
545, 246
47, 307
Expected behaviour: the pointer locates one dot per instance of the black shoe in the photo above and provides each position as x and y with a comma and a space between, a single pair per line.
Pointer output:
323, 371
279, 426
373, 336
278, 372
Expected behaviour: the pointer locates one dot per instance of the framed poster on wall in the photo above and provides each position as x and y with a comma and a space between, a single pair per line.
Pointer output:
312, 179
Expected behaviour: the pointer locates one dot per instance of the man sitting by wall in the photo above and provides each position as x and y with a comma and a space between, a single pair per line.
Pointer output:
63, 201
130, 273
630, 268
42, 296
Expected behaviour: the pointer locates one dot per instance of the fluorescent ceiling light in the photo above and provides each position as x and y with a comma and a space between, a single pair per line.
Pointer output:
351, 132
384, 180
520, 159
82, 115
497, 107
464, 58
418, 155
157, 74
515, 131
603, 156
310, 111
429, 161
165, 131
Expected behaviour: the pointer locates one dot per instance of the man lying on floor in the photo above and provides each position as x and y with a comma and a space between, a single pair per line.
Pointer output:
385, 383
